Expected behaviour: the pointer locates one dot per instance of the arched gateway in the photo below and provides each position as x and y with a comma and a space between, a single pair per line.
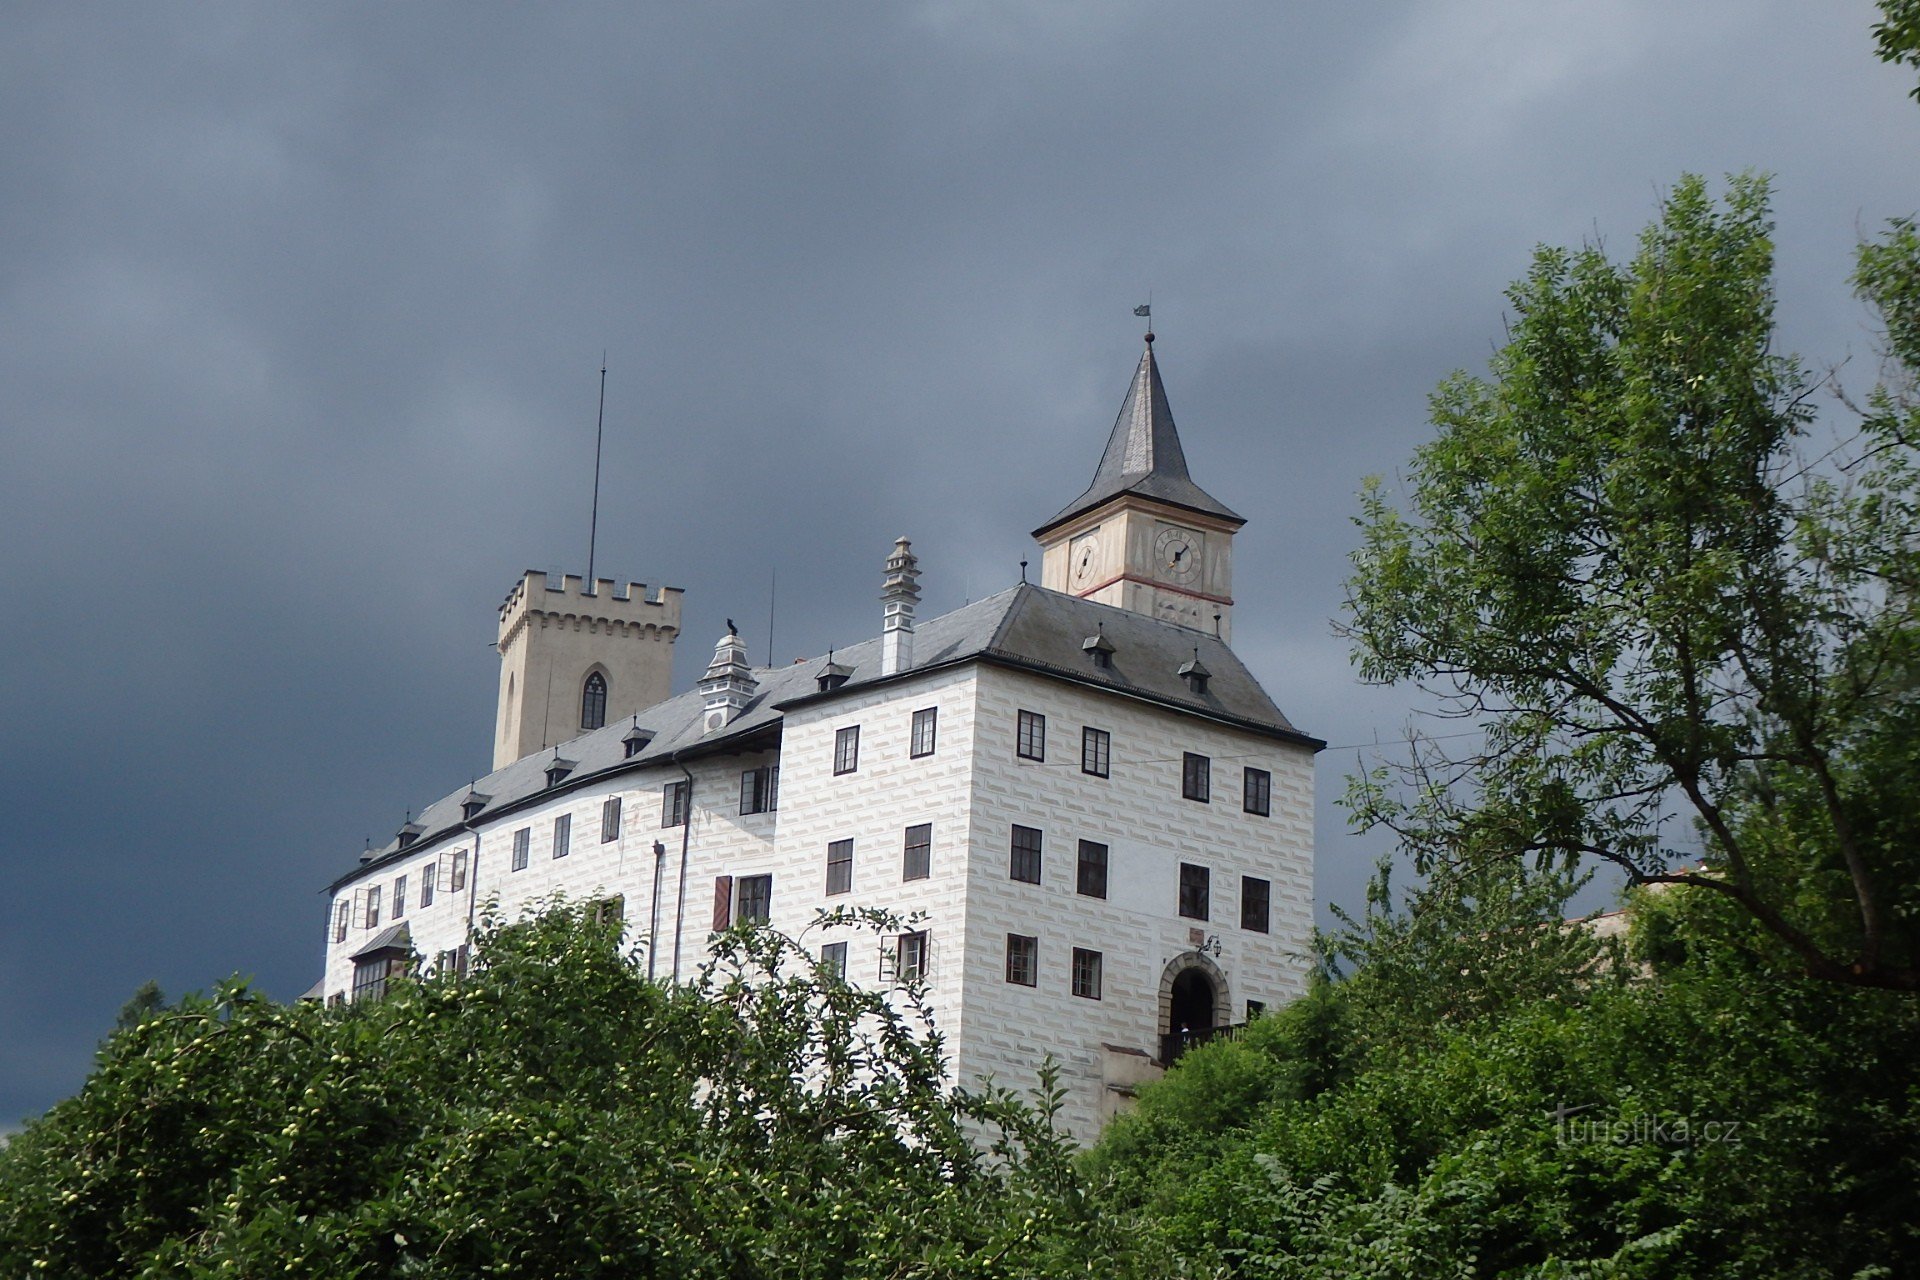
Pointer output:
1194, 1003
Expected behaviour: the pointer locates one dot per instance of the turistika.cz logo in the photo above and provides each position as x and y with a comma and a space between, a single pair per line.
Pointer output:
1572, 1128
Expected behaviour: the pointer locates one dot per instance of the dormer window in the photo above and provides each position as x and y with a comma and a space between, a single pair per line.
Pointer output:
471, 806
1196, 675
409, 833
1099, 650
636, 740
557, 770
832, 675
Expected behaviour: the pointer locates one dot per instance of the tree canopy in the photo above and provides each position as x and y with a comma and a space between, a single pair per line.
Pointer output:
552, 1114
1682, 634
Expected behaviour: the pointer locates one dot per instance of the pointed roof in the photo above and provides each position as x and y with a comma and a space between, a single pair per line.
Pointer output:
1144, 456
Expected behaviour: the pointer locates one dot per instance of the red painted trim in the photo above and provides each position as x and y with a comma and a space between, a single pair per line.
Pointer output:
1148, 582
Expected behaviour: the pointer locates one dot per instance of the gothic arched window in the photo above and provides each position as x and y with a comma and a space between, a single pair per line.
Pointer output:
593, 702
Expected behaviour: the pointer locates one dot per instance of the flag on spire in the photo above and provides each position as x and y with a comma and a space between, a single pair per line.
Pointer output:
1143, 311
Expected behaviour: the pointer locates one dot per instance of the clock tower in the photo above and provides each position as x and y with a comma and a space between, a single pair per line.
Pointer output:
1144, 536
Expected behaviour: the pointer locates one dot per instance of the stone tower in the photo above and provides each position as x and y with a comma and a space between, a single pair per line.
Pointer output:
1144, 536
573, 659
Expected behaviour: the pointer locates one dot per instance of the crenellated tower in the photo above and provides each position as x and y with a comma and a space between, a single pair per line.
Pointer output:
573, 659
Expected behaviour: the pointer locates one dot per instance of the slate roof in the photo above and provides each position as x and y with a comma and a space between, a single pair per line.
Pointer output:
1144, 455
1026, 626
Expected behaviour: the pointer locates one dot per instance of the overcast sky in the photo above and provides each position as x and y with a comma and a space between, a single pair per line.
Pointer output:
303, 309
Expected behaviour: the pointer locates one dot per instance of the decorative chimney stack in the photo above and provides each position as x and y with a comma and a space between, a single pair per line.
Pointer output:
728, 685
900, 593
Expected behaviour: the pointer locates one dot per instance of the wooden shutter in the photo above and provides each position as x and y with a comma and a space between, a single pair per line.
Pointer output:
722, 902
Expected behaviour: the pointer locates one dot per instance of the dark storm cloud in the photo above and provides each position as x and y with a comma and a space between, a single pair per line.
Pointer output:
303, 308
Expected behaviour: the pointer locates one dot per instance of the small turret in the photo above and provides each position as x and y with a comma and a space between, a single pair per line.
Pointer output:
901, 595
728, 685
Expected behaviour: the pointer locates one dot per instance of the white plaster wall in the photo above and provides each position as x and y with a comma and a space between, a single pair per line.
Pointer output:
972, 790
873, 807
1150, 829
592, 868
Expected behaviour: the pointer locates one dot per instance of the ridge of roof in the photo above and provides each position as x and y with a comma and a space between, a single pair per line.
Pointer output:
1025, 625
1144, 455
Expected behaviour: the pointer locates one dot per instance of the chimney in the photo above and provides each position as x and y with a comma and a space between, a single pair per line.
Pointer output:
900, 593
728, 685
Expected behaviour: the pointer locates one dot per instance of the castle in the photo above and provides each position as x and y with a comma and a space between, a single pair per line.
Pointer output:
1101, 823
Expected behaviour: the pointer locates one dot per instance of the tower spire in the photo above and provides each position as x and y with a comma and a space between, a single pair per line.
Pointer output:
1143, 455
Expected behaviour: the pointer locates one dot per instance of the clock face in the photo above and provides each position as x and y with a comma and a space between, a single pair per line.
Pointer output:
1083, 555
1178, 552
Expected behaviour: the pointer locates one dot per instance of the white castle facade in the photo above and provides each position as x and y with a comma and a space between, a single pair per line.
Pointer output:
1102, 821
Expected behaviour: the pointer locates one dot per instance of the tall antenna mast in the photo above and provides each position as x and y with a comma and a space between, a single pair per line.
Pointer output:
773, 596
599, 431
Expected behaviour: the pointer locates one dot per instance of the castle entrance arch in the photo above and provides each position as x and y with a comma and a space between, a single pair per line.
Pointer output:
1194, 1003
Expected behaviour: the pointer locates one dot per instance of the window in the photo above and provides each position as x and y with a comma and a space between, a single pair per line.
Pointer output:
760, 789
593, 702
1196, 777
722, 902
1025, 864
756, 898
428, 874
370, 976
1096, 752
521, 840
1255, 1008
342, 914
563, 835
1090, 878
840, 866
1193, 891
833, 960
610, 820
399, 897
458, 880
917, 862
1256, 896
673, 804
911, 954
1033, 736
1023, 960
373, 907
452, 964
1086, 973
923, 731
846, 749
1257, 792
609, 910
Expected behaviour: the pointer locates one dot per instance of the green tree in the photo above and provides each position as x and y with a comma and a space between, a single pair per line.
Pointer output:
552, 1114
1617, 564
146, 1001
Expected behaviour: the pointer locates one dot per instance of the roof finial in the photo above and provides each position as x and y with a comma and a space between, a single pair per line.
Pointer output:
1146, 313
1023, 571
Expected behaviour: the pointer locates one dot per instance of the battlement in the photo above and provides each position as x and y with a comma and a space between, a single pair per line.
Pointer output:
565, 596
